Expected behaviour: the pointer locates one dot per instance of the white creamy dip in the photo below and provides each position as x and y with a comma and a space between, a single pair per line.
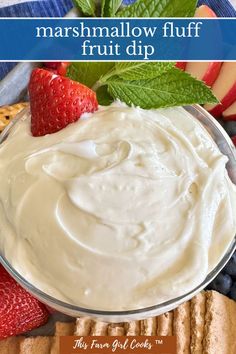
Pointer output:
121, 210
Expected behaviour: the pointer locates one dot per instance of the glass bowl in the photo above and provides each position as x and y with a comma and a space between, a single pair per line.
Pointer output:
227, 148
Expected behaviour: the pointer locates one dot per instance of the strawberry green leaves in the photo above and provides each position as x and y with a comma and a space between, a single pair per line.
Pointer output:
144, 84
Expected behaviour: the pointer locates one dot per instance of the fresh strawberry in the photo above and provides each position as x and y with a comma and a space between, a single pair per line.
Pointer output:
51, 65
62, 68
19, 311
57, 101
234, 139
59, 68
54, 71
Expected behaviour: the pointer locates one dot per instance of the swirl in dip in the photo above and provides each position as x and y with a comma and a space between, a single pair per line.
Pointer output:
124, 209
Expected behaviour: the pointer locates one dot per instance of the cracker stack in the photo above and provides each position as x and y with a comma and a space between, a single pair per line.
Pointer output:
204, 325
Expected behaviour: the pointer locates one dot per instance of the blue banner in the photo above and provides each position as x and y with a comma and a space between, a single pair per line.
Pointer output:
96, 39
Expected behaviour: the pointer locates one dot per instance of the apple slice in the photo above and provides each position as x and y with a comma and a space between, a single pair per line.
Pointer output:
230, 113
204, 11
224, 88
207, 71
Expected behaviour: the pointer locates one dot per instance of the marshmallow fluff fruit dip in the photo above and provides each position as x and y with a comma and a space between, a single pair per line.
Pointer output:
124, 209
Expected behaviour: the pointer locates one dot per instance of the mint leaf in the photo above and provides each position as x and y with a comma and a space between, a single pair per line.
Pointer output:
88, 73
110, 7
103, 96
148, 85
174, 88
86, 6
104, 8
161, 8
141, 70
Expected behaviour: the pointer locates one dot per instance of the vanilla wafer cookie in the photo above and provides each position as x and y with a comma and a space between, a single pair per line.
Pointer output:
99, 328
232, 311
220, 324
165, 324
149, 327
10, 345
7, 113
181, 328
35, 345
116, 329
197, 315
83, 326
61, 329
132, 328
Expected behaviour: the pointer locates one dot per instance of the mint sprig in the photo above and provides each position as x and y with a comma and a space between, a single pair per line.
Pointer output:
138, 70
87, 7
146, 84
88, 73
173, 88
160, 8
109, 8
141, 8
103, 96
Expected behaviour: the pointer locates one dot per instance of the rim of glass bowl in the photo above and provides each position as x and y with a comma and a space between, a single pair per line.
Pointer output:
225, 144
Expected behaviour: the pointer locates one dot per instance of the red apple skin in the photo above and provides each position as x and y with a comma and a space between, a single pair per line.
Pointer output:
212, 73
229, 98
224, 88
181, 65
230, 112
198, 69
204, 11
231, 117
205, 71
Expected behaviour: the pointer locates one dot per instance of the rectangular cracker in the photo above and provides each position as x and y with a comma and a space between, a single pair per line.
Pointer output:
10, 345
165, 324
148, 327
83, 326
132, 328
64, 328
181, 328
220, 324
197, 313
35, 345
61, 329
99, 328
116, 329
7, 113
232, 311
